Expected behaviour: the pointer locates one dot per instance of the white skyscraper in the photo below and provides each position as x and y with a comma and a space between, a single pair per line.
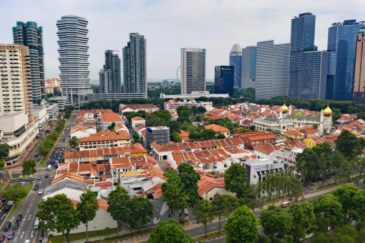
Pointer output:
192, 70
74, 65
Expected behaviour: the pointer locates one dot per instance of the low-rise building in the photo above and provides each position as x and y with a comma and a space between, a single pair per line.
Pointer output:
148, 108
52, 110
311, 142
258, 169
107, 119
60, 100
173, 105
104, 139
40, 112
159, 135
219, 129
138, 121
252, 139
193, 95
80, 131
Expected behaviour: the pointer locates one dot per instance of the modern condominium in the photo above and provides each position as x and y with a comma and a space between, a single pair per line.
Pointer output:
224, 80
192, 70
272, 69
301, 40
135, 65
342, 46
249, 66
359, 77
15, 89
109, 76
235, 60
28, 34
74, 65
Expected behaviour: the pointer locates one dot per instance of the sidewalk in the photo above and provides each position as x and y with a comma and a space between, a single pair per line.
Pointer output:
26, 155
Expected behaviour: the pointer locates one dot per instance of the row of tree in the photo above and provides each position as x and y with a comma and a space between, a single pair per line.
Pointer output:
45, 146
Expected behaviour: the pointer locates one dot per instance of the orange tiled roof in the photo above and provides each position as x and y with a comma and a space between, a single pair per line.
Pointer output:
267, 148
111, 117
106, 136
137, 118
217, 128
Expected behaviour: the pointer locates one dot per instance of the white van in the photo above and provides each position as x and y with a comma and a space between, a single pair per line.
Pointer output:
36, 223
49, 167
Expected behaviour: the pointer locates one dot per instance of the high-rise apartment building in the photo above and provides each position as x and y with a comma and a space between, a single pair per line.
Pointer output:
109, 76
315, 69
272, 69
135, 65
15, 92
28, 34
192, 70
342, 45
301, 40
249, 66
359, 77
235, 60
224, 80
74, 65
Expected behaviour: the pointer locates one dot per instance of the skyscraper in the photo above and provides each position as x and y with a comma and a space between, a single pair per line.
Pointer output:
192, 70
359, 79
28, 34
135, 64
74, 65
235, 60
301, 40
224, 80
342, 43
110, 74
315, 69
272, 69
15, 91
249, 66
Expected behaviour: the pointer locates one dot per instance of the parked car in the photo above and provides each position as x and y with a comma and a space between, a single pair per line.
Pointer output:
10, 235
19, 218
62, 149
305, 184
59, 158
64, 139
46, 176
2, 238
15, 225
7, 226
36, 155
36, 187
40, 192
55, 156
285, 204
39, 177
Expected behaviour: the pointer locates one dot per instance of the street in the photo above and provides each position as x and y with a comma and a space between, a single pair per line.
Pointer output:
28, 208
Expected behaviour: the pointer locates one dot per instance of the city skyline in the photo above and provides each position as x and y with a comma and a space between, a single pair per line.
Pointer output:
168, 31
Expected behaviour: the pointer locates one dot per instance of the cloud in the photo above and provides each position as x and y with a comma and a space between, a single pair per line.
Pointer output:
170, 25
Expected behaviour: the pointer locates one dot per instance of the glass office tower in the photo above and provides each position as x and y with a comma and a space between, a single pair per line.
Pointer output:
342, 42
28, 34
110, 80
224, 80
235, 60
192, 70
249, 66
301, 40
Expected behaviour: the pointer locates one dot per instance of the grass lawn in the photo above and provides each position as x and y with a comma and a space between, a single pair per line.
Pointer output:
17, 204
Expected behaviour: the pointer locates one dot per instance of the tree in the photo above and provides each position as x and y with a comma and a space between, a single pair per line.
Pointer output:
359, 164
119, 206
111, 126
135, 137
74, 142
348, 144
304, 220
29, 167
172, 191
14, 192
201, 109
107, 231
208, 134
236, 179
169, 231
189, 178
176, 137
204, 213
87, 208
277, 223
253, 128
221, 136
315, 126
336, 114
57, 213
2, 164
322, 238
346, 195
222, 207
241, 226
141, 211
4, 150
194, 109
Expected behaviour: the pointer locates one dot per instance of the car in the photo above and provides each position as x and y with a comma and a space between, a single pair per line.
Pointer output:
7, 226
46, 176
15, 225
40, 192
62, 149
19, 218
59, 158
10, 235
64, 139
2, 238
36, 187
39, 177
7, 208
305, 184
55, 156
36, 155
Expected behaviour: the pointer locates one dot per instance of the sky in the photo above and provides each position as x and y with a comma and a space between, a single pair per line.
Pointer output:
169, 25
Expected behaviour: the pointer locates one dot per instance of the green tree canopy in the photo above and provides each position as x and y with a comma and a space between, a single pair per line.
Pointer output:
119, 206
14, 192
29, 167
277, 223
222, 207
176, 137
204, 213
241, 226
58, 214
189, 178
236, 179
136, 137
348, 144
4, 150
141, 211
346, 195
304, 220
74, 142
169, 231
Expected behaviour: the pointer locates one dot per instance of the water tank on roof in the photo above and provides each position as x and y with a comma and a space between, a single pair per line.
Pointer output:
233, 150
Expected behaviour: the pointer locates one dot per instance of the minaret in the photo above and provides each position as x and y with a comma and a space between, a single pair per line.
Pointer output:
321, 121
290, 109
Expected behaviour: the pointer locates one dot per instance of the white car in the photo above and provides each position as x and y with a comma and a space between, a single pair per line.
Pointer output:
40, 192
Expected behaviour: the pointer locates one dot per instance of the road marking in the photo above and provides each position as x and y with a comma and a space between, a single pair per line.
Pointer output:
3, 216
22, 235
30, 217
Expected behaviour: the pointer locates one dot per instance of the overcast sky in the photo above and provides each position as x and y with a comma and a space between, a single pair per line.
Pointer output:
169, 25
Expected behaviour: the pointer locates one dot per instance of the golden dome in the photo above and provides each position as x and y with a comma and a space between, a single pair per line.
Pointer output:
284, 108
327, 111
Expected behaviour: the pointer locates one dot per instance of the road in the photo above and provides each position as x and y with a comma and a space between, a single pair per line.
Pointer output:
29, 206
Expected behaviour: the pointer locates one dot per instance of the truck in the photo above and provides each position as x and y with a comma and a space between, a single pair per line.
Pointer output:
36, 223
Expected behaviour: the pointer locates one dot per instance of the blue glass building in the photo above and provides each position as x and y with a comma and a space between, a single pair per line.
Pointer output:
249, 55
224, 80
235, 60
301, 40
342, 44
30, 35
